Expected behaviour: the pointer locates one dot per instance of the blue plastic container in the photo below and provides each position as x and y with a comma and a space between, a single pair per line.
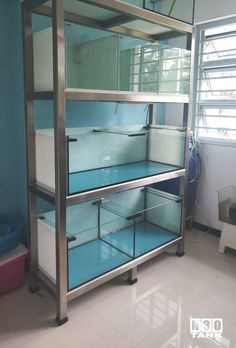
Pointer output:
9, 234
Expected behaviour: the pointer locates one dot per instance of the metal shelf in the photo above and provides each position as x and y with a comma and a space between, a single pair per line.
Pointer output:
112, 96
115, 16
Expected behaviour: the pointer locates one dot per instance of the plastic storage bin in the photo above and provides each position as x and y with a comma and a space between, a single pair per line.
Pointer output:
9, 234
12, 269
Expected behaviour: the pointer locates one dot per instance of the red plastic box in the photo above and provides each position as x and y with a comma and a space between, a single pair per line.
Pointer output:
12, 269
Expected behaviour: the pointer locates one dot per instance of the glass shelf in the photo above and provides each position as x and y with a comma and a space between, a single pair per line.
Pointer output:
102, 177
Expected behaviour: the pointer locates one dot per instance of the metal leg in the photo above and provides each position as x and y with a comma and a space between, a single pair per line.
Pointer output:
132, 276
180, 248
60, 143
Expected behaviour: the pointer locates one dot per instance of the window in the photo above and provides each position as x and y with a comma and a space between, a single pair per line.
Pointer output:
216, 84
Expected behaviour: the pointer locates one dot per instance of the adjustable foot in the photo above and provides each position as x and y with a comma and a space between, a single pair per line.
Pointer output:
180, 253
132, 281
132, 276
33, 290
61, 321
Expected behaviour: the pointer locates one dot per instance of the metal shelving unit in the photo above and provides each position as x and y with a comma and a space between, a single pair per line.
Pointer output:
118, 17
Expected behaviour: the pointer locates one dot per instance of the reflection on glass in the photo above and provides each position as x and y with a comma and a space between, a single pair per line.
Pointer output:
97, 59
172, 8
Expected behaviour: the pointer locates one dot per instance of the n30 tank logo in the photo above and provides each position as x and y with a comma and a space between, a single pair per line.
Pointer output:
206, 327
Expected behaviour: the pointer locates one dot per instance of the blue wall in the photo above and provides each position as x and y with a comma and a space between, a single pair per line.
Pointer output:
12, 143
13, 199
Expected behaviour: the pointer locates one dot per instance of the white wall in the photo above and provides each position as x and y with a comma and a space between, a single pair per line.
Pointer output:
206, 10
218, 162
218, 171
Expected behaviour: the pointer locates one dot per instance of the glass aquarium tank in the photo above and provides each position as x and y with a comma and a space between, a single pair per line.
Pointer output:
98, 59
227, 204
110, 231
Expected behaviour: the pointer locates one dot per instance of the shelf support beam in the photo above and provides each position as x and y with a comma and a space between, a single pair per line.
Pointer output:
115, 21
32, 4
187, 122
60, 158
30, 140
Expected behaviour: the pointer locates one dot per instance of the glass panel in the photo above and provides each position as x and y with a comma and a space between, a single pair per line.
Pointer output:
108, 232
217, 134
149, 67
121, 154
218, 84
92, 59
219, 123
153, 220
172, 8
220, 48
103, 60
100, 157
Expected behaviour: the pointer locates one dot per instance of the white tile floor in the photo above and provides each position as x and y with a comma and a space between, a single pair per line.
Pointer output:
153, 313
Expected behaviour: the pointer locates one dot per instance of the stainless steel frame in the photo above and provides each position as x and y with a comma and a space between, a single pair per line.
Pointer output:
112, 96
59, 95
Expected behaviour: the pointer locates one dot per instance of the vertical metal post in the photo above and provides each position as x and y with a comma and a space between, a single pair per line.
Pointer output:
30, 139
60, 157
132, 273
99, 220
187, 122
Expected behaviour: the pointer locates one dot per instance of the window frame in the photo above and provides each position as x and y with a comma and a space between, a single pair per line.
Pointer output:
197, 59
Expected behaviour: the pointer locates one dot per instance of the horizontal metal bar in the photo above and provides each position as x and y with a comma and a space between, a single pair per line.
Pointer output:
116, 21
220, 103
202, 79
90, 22
168, 35
71, 295
166, 195
219, 51
43, 279
71, 17
218, 129
215, 116
139, 13
219, 36
40, 95
215, 90
43, 192
32, 4
220, 64
135, 97
89, 195
176, 128
132, 32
